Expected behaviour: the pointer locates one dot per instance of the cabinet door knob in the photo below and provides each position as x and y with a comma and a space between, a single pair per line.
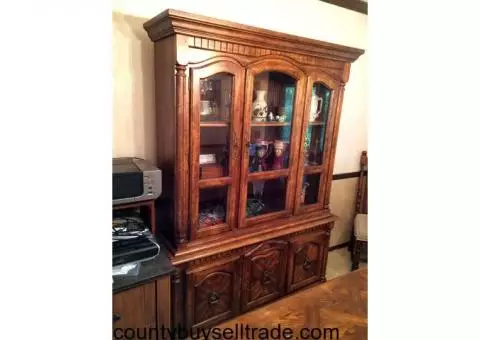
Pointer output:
307, 264
213, 298
116, 317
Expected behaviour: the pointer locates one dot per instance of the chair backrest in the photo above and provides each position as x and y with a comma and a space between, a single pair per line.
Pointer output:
362, 188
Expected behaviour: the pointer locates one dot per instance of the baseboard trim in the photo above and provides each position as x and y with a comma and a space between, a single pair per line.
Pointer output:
339, 246
346, 175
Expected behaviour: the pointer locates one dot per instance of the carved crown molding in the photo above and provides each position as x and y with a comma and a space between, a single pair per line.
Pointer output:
177, 22
260, 51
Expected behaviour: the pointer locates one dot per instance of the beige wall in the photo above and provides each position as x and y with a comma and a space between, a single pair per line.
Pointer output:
133, 89
133, 114
342, 203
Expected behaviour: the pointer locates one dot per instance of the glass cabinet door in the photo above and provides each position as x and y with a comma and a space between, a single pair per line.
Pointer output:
216, 104
272, 124
315, 136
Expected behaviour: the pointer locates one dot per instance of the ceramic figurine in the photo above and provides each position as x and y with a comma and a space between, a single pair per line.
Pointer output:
282, 114
270, 117
262, 152
260, 164
259, 107
280, 147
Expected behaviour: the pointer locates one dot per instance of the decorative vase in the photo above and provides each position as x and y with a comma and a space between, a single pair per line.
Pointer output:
205, 109
259, 107
315, 107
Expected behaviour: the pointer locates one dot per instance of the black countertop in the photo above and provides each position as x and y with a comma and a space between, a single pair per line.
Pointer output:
149, 271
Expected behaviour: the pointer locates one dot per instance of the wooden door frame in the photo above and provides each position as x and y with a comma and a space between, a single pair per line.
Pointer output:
323, 169
202, 70
287, 66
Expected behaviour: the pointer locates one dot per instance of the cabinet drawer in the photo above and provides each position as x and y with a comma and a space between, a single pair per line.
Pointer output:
307, 259
135, 308
213, 293
264, 274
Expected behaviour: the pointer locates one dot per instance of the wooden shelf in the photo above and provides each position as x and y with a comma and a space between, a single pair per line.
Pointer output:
312, 169
214, 182
316, 123
267, 216
215, 124
266, 175
270, 124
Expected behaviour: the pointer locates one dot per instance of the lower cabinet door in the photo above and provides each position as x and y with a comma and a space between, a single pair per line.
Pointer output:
307, 259
134, 312
213, 293
264, 272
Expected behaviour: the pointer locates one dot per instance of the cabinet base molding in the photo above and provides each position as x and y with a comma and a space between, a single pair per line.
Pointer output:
237, 240
210, 289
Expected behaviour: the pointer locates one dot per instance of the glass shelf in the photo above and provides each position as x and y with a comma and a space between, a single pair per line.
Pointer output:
214, 124
256, 124
316, 123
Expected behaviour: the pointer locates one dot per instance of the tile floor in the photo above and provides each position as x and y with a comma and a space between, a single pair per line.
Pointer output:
339, 263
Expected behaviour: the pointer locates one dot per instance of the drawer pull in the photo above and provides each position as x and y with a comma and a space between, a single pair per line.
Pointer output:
116, 317
213, 298
307, 264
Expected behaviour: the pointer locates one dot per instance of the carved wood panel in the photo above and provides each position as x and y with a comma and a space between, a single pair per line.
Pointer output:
213, 294
264, 274
307, 259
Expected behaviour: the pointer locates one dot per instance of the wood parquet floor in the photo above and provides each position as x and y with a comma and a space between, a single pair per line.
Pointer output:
340, 303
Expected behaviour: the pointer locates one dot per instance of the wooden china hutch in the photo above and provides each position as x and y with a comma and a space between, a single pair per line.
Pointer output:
247, 124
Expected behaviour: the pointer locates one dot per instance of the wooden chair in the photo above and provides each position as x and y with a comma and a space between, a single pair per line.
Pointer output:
360, 224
